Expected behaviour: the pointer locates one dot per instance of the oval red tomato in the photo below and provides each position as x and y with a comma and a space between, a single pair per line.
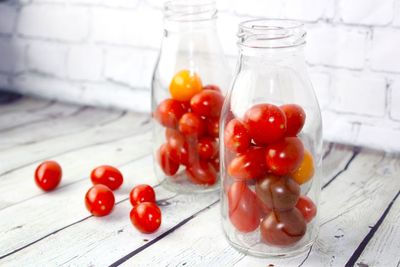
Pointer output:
207, 103
146, 217
99, 200
213, 127
249, 165
107, 175
285, 156
236, 136
168, 166
142, 193
176, 143
244, 212
266, 123
283, 228
202, 173
192, 124
212, 87
169, 112
307, 207
48, 175
295, 118
207, 148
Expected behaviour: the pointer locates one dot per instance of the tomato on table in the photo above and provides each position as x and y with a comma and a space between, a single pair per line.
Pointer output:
107, 175
249, 165
307, 207
266, 123
48, 175
244, 213
142, 193
285, 156
236, 137
146, 217
192, 124
99, 200
202, 173
207, 103
168, 166
184, 85
305, 171
168, 113
207, 147
295, 118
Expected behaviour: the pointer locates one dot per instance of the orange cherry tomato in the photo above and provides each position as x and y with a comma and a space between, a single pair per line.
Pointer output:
306, 170
185, 85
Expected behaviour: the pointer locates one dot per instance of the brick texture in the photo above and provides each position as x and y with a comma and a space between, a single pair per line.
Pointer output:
102, 52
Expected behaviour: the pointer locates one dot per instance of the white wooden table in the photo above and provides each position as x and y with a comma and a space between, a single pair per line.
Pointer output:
360, 207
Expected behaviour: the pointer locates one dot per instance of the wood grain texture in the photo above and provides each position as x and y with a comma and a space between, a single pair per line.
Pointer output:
359, 209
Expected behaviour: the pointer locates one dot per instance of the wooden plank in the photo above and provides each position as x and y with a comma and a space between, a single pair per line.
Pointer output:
384, 248
33, 153
25, 104
113, 234
23, 118
56, 126
356, 197
19, 186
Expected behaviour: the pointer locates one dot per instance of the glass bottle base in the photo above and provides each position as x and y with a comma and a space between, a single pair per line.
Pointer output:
180, 184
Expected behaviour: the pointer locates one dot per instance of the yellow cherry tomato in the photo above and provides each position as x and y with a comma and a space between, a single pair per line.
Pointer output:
306, 170
184, 85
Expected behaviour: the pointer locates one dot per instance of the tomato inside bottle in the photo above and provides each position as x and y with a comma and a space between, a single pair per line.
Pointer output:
272, 138
188, 91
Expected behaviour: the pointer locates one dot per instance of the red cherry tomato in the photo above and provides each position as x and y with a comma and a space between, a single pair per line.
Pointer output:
213, 127
202, 173
244, 212
192, 124
207, 103
286, 156
169, 112
266, 123
207, 147
249, 165
107, 175
48, 175
307, 207
146, 217
189, 153
236, 136
142, 193
295, 117
215, 162
212, 87
99, 200
175, 144
168, 166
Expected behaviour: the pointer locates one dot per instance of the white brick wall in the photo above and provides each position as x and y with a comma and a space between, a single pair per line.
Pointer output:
102, 52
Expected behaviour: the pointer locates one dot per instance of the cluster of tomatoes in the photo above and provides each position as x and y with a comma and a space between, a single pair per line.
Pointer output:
191, 118
99, 199
263, 149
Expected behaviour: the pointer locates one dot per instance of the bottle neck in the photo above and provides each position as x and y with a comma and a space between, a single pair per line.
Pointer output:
190, 15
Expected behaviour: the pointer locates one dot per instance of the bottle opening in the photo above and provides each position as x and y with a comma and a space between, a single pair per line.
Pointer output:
271, 33
190, 10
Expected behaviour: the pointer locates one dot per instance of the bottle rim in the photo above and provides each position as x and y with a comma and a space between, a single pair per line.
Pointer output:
190, 10
271, 33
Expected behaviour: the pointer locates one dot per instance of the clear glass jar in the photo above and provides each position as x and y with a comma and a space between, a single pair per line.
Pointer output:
271, 154
188, 88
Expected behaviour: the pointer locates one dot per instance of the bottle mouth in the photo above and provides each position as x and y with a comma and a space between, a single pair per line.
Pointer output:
190, 10
271, 33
